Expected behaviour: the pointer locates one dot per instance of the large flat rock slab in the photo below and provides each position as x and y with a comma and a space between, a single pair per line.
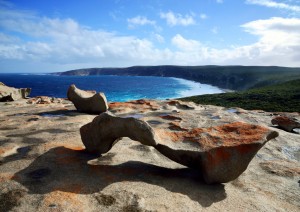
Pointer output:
43, 166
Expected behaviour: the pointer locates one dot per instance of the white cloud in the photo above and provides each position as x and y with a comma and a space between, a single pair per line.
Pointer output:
276, 30
139, 21
203, 16
274, 4
159, 38
215, 30
177, 19
278, 44
220, 1
63, 41
185, 44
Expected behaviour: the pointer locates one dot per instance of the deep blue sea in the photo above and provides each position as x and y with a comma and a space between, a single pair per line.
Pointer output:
116, 88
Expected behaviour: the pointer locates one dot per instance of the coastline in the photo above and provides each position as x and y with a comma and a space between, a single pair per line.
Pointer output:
117, 88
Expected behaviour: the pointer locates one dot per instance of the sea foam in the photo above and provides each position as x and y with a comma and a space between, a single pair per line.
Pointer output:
196, 88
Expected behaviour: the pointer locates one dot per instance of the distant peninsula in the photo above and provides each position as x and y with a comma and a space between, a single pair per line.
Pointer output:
239, 78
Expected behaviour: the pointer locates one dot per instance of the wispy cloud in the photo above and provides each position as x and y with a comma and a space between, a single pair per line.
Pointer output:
219, 1
215, 30
159, 38
174, 19
274, 4
203, 16
139, 21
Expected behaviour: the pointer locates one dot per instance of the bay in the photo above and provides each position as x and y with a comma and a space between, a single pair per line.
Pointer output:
116, 88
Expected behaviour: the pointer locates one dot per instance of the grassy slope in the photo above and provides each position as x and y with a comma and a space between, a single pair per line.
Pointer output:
284, 97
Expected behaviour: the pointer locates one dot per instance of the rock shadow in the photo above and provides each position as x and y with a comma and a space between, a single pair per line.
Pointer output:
63, 169
36, 132
20, 154
60, 113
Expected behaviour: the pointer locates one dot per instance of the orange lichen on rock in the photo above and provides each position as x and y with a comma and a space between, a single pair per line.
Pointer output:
286, 123
3, 150
6, 150
137, 105
225, 135
217, 157
64, 200
64, 156
6, 176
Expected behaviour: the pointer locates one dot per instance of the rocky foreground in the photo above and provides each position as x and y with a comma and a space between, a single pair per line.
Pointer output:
43, 165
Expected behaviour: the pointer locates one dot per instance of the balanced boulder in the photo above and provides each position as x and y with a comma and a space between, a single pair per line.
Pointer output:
87, 101
221, 153
286, 123
106, 130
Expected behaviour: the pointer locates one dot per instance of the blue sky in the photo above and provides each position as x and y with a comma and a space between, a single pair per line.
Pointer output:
55, 35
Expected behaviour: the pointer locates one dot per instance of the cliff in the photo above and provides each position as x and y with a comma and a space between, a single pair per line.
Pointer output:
227, 77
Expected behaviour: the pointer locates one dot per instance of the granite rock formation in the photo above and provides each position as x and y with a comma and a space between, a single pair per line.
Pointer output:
286, 123
87, 101
12, 94
220, 153
106, 130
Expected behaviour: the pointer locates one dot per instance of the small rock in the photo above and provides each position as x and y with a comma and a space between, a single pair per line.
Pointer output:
181, 105
286, 123
87, 101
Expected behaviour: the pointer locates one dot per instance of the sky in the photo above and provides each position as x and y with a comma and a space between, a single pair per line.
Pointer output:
38, 36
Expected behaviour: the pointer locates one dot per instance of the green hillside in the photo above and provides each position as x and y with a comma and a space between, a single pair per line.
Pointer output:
238, 78
284, 97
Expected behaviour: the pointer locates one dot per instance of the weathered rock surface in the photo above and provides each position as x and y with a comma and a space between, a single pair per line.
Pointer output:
12, 94
221, 153
43, 165
286, 123
43, 100
87, 101
106, 130
135, 106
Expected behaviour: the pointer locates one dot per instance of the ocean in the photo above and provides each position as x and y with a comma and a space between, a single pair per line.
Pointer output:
116, 88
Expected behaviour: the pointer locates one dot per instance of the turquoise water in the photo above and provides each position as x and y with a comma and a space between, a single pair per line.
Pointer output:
116, 88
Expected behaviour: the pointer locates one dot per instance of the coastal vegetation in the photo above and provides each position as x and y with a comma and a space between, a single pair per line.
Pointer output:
283, 97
